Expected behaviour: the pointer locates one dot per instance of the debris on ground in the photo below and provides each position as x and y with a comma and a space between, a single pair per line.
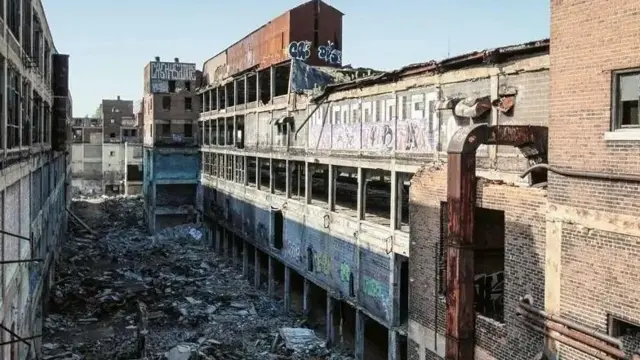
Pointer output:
121, 294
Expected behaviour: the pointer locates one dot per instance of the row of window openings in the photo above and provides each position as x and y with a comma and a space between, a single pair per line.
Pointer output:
17, 104
166, 103
125, 133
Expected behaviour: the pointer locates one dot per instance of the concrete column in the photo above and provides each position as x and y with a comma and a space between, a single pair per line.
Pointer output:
235, 94
225, 242
361, 192
330, 320
288, 180
287, 289
332, 187
245, 172
226, 97
272, 82
257, 88
218, 98
235, 129
308, 182
246, 87
394, 346
271, 284
306, 298
272, 180
395, 209
245, 259
5, 70
234, 250
361, 320
219, 234
256, 268
258, 173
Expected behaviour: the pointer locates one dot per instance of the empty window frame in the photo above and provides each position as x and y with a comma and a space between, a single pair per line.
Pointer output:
166, 103
188, 105
626, 92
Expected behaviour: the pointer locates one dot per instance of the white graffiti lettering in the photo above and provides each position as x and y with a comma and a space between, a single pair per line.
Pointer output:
330, 54
300, 50
173, 71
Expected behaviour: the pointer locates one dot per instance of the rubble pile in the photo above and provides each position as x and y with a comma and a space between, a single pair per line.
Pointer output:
121, 294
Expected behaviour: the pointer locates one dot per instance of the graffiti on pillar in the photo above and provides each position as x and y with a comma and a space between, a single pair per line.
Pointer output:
300, 50
330, 54
345, 272
489, 295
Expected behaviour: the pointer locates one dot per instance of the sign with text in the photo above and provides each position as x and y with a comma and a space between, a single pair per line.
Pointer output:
173, 71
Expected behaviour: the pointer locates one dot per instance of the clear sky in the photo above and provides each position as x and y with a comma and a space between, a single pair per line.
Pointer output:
110, 42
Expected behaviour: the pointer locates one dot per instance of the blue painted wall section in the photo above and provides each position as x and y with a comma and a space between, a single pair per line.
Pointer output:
334, 258
176, 166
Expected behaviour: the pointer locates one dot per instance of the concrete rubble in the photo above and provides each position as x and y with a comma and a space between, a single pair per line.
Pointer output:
122, 294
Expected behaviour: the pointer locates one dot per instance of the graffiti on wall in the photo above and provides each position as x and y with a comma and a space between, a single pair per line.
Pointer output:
300, 50
345, 272
330, 54
173, 71
379, 293
322, 264
489, 293
159, 86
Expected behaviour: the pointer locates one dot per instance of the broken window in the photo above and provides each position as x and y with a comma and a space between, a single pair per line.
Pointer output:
166, 103
165, 129
187, 85
172, 86
14, 106
188, 106
627, 92
188, 130
626, 331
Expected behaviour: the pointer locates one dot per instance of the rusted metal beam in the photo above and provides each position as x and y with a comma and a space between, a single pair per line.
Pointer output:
461, 200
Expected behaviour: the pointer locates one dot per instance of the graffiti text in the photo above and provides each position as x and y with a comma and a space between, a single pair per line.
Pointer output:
300, 50
173, 71
330, 54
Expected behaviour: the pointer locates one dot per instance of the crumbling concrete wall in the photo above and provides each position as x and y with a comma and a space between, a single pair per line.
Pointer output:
524, 255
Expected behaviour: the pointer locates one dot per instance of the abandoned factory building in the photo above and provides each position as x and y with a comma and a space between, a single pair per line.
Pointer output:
414, 212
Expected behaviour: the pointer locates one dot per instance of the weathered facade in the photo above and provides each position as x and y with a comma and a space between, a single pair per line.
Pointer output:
34, 191
119, 124
171, 157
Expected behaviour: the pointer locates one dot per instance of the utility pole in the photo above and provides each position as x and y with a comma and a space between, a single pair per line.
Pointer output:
126, 187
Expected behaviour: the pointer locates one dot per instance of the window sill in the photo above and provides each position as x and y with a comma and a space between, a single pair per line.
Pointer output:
629, 135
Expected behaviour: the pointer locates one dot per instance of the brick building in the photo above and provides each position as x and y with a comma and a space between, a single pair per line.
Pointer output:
171, 155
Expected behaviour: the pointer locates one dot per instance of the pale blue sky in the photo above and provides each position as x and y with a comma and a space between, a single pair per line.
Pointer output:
111, 41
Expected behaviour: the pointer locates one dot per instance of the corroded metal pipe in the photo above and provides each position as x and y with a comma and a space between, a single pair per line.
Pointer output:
574, 344
574, 335
572, 324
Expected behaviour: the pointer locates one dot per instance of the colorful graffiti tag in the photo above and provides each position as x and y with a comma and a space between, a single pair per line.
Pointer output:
300, 50
330, 54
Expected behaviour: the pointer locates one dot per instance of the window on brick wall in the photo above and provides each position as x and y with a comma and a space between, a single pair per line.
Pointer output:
166, 103
626, 100
489, 236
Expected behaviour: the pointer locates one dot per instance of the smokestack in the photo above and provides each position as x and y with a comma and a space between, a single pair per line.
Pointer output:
177, 60
118, 97
158, 58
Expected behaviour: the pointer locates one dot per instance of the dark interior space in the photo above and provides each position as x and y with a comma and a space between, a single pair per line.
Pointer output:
228, 123
239, 132
320, 185
134, 172
489, 233
175, 194
264, 79
278, 229
211, 132
220, 131
251, 170
402, 347
297, 290
317, 314
204, 100
404, 182
251, 88
347, 332
278, 277
221, 98
402, 263
282, 79
376, 341
240, 91
377, 204
298, 181
229, 92
264, 267
346, 197
280, 176
265, 175
251, 252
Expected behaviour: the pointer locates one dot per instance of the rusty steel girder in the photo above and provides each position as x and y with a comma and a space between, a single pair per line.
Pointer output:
461, 200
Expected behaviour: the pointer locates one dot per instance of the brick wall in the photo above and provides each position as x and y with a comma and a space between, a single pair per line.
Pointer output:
590, 40
524, 211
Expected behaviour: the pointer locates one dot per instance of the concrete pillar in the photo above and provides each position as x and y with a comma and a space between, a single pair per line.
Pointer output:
332, 187
245, 259
226, 97
235, 94
330, 320
308, 182
395, 209
235, 129
219, 231
246, 87
361, 320
288, 180
234, 250
257, 87
361, 192
245, 172
256, 270
218, 102
393, 352
306, 298
271, 284
287, 289
258, 173
272, 180
272, 82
